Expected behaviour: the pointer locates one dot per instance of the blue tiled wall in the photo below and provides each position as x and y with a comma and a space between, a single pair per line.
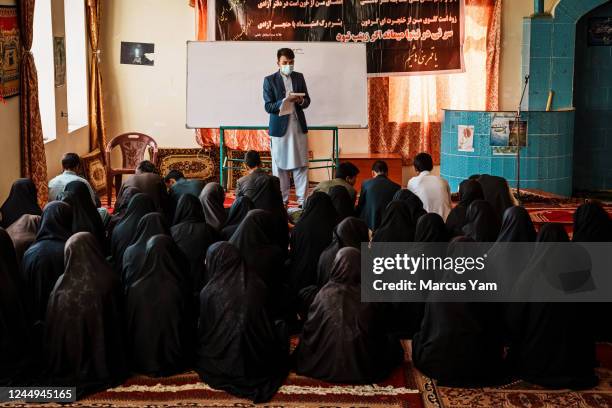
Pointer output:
593, 100
546, 163
548, 53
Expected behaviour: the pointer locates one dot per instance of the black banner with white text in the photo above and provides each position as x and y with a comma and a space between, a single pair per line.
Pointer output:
402, 36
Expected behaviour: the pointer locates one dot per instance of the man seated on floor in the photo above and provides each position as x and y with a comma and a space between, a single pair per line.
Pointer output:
148, 181
70, 163
178, 185
433, 190
346, 176
376, 194
262, 188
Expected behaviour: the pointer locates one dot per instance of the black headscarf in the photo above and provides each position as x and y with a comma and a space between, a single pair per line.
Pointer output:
343, 339
552, 344
255, 238
124, 232
212, 198
158, 309
414, 203
517, 226
551, 232
193, 236
469, 191
268, 196
83, 335
341, 200
482, 222
592, 224
85, 215
351, 232
239, 350
134, 256
237, 212
21, 200
23, 233
43, 262
311, 235
431, 228
15, 346
121, 207
496, 192
398, 224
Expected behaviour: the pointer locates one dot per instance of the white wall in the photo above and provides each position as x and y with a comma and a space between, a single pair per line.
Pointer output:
147, 99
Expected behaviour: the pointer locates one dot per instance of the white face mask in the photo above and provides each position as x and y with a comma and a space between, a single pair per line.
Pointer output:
286, 69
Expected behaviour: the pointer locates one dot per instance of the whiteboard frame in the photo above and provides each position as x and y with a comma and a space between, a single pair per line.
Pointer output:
365, 125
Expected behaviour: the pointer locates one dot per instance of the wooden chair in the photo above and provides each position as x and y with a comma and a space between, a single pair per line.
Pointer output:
133, 147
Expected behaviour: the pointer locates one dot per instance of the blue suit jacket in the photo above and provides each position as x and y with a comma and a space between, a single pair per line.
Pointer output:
274, 93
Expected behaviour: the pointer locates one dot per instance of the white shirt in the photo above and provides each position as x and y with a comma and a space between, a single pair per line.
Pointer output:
59, 183
433, 191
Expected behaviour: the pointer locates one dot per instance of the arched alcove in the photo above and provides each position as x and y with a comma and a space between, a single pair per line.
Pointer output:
593, 104
549, 51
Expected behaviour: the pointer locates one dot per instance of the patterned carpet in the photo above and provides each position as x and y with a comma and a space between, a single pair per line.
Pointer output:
405, 388
186, 390
520, 394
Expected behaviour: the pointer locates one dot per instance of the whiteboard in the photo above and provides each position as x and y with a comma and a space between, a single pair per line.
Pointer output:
225, 82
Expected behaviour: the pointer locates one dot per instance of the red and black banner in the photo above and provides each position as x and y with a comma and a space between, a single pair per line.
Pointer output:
402, 36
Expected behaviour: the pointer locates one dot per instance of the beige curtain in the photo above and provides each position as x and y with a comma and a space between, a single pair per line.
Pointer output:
33, 160
97, 133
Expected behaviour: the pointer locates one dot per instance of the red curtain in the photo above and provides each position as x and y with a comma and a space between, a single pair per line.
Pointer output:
33, 160
405, 112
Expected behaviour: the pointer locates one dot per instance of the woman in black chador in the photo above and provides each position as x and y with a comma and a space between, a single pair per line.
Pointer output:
553, 344
240, 349
85, 217
21, 200
311, 235
134, 256
15, 347
83, 341
193, 236
124, 231
158, 311
237, 212
43, 262
469, 191
482, 222
460, 344
345, 340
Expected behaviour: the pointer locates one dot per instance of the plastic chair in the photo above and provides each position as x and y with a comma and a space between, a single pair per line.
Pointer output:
133, 147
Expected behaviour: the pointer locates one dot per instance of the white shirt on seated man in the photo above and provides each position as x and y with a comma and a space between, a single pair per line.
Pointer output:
433, 190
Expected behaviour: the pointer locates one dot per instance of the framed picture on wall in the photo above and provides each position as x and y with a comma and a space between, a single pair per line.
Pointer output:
59, 57
599, 31
465, 138
500, 128
10, 55
135, 53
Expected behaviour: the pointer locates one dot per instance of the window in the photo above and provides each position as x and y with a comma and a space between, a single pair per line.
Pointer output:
76, 65
42, 49
51, 104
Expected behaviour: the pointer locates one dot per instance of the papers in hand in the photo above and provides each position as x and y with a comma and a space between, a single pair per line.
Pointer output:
288, 107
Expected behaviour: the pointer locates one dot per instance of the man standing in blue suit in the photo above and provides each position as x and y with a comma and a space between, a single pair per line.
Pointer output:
289, 143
